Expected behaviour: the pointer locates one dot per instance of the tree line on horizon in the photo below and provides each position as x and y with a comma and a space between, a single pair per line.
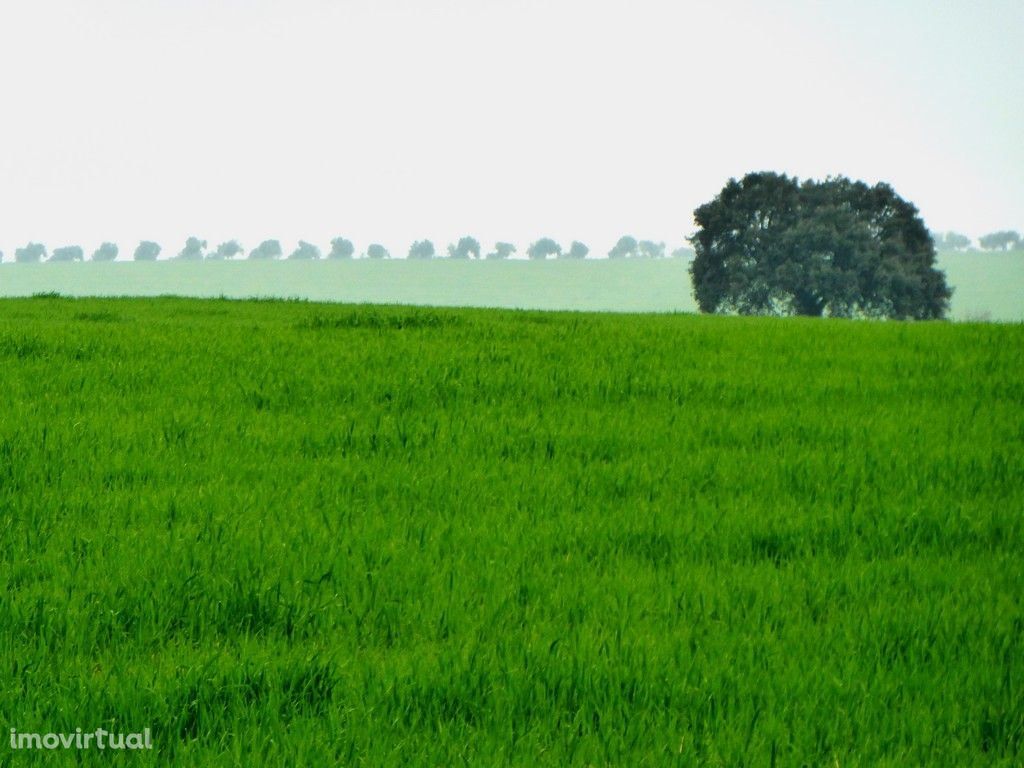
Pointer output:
467, 247
1003, 240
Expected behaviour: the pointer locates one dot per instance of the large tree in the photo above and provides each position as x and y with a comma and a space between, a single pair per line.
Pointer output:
768, 244
377, 251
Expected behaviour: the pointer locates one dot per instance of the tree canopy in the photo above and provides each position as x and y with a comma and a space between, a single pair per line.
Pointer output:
421, 249
147, 250
68, 253
341, 249
544, 248
951, 241
106, 252
305, 251
576, 251
31, 252
625, 248
377, 251
193, 250
226, 250
648, 249
768, 244
501, 251
268, 249
1000, 241
467, 247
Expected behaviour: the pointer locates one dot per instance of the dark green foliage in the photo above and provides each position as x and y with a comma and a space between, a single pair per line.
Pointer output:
421, 249
1000, 241
193, 250
68, 253
576, 251
467, 247
30, 253
306, 251
226, 250
377, 251
300, 534
106, 252
268, 249
544, 248
147, 250
501, 251
341, 249
770, 245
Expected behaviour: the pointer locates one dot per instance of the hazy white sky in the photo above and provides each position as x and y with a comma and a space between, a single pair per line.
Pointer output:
393, 120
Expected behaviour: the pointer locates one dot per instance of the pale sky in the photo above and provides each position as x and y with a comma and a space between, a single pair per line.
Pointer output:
395, 120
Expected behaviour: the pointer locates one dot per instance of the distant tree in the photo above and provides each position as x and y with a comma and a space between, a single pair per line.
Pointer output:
193, 250
341, 249
648, 249
502, 251
624, 249
106, 252
768, 244
467, 247
377, 251
576, 251
421, 249
1000, 241
147, 250
682, 253
951, 241
268, 249
544, 248
957, 242
305, 251
226, 250
31, 252
68, 253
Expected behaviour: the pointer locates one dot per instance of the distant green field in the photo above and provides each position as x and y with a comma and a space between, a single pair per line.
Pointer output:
987, 286
285, 533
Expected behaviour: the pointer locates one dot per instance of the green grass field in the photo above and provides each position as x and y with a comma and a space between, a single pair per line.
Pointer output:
285, 533
987, 286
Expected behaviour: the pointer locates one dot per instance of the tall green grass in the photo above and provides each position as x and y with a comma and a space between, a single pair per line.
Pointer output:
299, 534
